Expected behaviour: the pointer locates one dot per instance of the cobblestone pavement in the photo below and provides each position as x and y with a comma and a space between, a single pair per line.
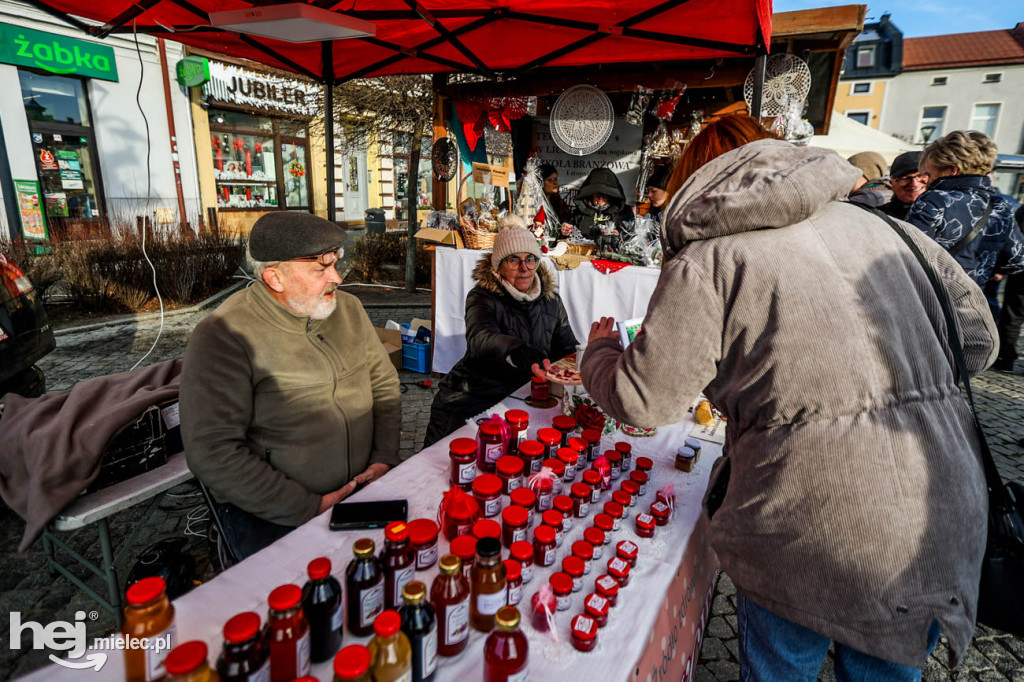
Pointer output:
26, 585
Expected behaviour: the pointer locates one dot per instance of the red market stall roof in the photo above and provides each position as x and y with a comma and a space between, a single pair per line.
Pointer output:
497, 39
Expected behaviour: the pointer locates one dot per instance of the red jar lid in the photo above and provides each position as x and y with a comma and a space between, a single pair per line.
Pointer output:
591, 477
627, 549
549, 436
563, 422
562, 503
518, 417
242, 627
583, 549
613, 509
387, 624
574, 566
146, 590
622, 498
607, 586
591, 435
630, 488
545, 535
660, 510
623, 447
422, 531
594, 536
568, 456
557, 466
284, 597
604, 523
185, 658
561, 583
513, 569
318, 569
523, 497
644, 463
351, 662
531, 448
613, 456
595, 605
537, 380
510, 465
638, 477
578, 444
514, 516
490, 428
618, 568
487, 485
645, 521
521, 551
584, 627
552, 518
581, 490
463, 446
464, 547
397, 531
486, 528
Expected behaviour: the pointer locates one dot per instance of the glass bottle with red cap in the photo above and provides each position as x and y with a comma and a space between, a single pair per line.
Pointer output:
487, 491
491, 446
187, 663
513, 582
288, 634
510, 471
544, 547
565, 426
596, 607
423, 538
487, 585
487, 528
464, 547
513, 525
449, 595
351, 664
364, 588
149, 614
321, 602
506, 651
398, 562
462, 453
390, 652
592, 437
595, 536
518, 423
245, 655
532, 454
522, 552
527, 499
420, 626
562, 586
568, 457
573, 567
584, 632
593, 480
551, 439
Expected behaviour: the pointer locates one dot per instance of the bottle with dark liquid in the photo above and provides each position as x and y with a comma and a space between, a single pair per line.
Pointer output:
420, 626
321, 601
449, 595
246, 655
397, 561
487, 585
364, 587
506, 650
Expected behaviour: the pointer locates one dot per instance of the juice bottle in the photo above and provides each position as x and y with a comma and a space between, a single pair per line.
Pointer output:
506, 650
364, 585
486, 585
246, 655
390, 652
352, 664
449, 595
321, 602
420, 626
149, 614
398, 562
288, 633
187, 663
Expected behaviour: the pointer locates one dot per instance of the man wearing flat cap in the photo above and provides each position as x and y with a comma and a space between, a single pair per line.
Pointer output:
288, 399
908, 183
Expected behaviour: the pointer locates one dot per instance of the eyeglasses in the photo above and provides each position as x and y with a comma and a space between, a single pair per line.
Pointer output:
909, 179
515, 261
325, 259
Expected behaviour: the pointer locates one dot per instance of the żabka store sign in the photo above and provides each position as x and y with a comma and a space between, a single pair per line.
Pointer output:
56, 53
229, 83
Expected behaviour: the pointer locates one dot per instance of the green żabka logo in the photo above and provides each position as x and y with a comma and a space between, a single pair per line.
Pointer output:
55, 53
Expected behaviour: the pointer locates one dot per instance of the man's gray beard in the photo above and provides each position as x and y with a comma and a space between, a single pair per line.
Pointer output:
320, 310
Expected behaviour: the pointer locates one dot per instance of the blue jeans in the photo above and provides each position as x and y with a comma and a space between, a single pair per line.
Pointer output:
773, 649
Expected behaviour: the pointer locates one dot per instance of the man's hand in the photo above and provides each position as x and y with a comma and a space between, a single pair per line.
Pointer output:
541, 372
372, 473
603, 329
566, 229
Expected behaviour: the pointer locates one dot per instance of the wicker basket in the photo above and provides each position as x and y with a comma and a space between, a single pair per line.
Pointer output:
580, 249
482, 240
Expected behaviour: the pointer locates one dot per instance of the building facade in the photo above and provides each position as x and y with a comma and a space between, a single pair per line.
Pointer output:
869, 65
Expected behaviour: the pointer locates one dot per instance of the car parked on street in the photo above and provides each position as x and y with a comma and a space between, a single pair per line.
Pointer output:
25, 333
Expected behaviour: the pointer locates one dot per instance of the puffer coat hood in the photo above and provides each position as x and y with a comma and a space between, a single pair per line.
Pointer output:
600, 181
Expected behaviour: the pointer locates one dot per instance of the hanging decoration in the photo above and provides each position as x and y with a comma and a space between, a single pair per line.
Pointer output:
476, 113
668, 103
638, 105
442, 159
582, 119
258, 147
787, 82
498, 143
296, 169
248, 162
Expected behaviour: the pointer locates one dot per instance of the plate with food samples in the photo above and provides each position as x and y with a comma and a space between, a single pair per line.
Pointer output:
564, 372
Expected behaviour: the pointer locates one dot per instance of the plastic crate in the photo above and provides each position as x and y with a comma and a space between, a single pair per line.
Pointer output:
416, 356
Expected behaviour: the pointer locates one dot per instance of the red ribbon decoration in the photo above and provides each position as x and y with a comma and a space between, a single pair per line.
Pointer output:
248, 162
475, 113
458, 512
239, 144
259, 147
608, 266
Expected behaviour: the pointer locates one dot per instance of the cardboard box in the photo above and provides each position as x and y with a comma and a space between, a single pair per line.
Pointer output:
392, 341
438, 236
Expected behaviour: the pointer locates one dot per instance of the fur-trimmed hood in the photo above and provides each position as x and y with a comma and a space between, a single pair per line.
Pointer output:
487, 278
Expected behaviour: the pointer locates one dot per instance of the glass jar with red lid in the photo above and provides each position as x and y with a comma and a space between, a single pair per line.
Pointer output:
522, 552
532, 454
565, 426
640, 478
614, 510
561, 584
580, 493
486, 528
585, 551
614, 458
462, 453
487, 491
187, 663
593, 479
660, 511
606, 524
544, 487
607, 587
288, 634
596, 607
596, 537
645, 525
665, 496
592, 437
518, 423
563, 505
543, 605
506, 651
423, 536
490, 446
544, 547
580, 446
464, 547
619, 569
149, 614
551, 439
527, 499
623, 498
568, 457
644, 464
246, 652
540, 389
351, 664
513, 582
632, 489
626, 450
398, 562
510, 471
627, 551
553, 519
584, 632
557, 468
513, 525
574, 567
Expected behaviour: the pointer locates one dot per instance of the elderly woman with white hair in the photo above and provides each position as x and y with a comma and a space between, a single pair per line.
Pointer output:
514, 320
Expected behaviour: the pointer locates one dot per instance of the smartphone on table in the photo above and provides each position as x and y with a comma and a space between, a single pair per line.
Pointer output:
357, 515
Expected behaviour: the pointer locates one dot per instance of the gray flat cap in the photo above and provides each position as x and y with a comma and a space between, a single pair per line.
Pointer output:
284, 235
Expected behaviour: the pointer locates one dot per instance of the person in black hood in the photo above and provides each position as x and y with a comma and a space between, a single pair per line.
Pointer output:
601, 211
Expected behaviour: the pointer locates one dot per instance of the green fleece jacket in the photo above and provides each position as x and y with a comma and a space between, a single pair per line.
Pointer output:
278, 409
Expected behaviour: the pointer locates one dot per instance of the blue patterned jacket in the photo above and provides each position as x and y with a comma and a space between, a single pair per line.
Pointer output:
951, 207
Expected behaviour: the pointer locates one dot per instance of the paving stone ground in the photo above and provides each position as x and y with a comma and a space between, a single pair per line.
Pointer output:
26, 585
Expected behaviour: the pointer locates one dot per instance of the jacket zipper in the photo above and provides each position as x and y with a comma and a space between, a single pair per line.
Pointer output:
334, 375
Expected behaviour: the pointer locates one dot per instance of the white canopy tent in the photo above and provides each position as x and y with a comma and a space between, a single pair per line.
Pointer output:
848, 137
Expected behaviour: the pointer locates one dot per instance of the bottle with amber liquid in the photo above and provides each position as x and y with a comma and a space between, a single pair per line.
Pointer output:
398, 562
486, 584
506, 650
390, 652
321, 602
420, 626
149, 614
187, 663
449, 595
364, 588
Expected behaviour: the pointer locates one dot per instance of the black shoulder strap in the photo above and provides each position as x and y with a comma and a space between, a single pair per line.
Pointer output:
978, 227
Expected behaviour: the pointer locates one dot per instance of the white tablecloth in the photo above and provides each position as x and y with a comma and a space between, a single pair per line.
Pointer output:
587, 294
422, 479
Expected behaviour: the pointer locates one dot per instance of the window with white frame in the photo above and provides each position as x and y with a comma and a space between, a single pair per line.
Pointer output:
993, 78
984, 117
861, 89
865, 57
932, 122
862, 117
940, 80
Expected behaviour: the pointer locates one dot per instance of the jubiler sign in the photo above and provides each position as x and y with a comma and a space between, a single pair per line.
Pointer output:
55, 53
236, 85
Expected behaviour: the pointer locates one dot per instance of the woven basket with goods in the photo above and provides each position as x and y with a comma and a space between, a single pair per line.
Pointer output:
478, 230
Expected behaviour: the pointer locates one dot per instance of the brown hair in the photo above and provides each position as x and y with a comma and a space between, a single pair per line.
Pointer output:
718, 137
969, 151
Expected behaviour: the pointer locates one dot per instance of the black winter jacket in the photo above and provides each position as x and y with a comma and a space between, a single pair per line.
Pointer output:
588, 218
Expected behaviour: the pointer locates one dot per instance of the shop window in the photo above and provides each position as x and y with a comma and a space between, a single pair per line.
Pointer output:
984, 117
53, 99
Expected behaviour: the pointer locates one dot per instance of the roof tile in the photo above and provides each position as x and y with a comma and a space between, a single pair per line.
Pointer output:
981, 48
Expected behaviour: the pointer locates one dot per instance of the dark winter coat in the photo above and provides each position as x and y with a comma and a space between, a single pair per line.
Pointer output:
589, 218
